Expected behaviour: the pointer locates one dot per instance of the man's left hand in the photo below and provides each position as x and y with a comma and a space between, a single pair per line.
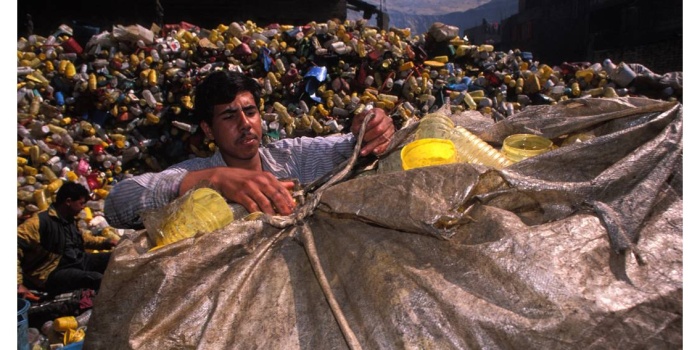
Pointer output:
378, 132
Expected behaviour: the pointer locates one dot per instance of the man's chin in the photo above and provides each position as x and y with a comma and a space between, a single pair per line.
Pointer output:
246, 156
247, 152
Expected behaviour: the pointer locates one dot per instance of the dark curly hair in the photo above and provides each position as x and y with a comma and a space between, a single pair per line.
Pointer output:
72, 190
221, 87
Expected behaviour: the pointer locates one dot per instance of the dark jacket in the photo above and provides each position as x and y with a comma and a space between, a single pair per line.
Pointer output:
46, 241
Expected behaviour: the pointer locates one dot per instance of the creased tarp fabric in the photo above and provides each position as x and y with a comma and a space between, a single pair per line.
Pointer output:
535, 256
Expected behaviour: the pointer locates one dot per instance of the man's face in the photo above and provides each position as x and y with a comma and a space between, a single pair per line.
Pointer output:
236, 128
76, 205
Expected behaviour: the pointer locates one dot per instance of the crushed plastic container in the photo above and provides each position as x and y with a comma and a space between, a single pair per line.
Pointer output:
199, 211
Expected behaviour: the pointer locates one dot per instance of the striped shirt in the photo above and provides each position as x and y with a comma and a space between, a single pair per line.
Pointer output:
302, 158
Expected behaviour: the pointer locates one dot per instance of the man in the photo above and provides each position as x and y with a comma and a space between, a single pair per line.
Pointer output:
245, 173
51, 252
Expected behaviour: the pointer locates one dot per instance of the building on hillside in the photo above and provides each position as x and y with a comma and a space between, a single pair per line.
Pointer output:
486, 33
648, 32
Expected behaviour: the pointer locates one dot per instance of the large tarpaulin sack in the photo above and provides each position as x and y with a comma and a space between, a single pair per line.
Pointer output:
580, 247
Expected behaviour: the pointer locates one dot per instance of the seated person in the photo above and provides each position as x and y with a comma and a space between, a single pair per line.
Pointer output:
241, 170
51, 252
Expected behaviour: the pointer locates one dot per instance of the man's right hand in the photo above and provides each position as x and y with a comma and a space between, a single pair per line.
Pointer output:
254, 190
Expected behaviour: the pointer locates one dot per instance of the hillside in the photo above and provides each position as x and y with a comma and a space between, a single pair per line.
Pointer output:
493, 11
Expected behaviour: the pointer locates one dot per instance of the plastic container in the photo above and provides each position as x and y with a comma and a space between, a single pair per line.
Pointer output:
427, 152
521, 146
65, 323
200, 211
22, 324
434, 126
623, 75
73, 336
471, 149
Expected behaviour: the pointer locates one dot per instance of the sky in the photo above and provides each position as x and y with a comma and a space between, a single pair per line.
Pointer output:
691, 241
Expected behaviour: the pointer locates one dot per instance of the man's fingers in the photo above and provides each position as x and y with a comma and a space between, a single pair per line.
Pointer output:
273, 199
376, 146
377, 139
249, 204
262, 192
289, 185
283, 202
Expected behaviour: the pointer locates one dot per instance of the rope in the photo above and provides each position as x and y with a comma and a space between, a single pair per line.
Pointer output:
297, 218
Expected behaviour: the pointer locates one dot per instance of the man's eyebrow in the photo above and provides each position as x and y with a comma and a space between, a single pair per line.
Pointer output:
233, 110
228, 110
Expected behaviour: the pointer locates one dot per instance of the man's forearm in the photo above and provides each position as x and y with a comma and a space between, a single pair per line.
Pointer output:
131, 196
126, 201
194, 178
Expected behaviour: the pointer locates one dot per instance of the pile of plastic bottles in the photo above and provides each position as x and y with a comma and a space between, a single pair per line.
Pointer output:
121, 103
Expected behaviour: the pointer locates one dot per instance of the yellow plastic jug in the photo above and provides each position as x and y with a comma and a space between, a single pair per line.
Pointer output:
202, 210
427, 152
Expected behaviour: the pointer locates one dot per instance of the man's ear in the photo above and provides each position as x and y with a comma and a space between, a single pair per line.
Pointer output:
66, 202
207, 130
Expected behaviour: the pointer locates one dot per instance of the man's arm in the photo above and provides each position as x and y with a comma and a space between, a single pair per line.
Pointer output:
90, 241
254, 190
130, 197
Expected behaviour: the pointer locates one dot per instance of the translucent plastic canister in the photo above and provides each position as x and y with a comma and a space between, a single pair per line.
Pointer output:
471, 149
521, 146
434, 126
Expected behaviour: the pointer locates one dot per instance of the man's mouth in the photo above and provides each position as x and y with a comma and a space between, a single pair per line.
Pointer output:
248, 140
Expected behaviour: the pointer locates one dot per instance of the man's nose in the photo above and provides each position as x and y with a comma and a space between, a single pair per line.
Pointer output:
245, 123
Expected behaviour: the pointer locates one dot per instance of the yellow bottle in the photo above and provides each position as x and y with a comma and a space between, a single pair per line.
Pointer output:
63, 324
200, 211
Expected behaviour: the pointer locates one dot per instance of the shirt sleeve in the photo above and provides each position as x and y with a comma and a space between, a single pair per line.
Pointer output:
90, 241
307, 158
130, 197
